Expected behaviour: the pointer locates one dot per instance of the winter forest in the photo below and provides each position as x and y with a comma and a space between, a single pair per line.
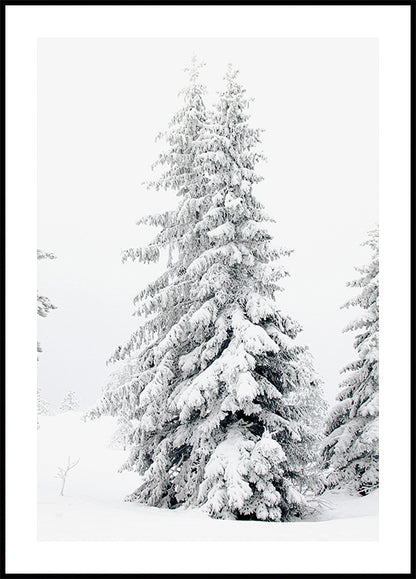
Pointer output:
214, 412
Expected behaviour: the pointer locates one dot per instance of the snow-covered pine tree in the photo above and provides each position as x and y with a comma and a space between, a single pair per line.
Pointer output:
70, 402
351, 450
44, 303
225, 402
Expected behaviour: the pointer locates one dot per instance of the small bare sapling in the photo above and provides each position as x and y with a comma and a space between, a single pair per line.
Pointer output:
63, 472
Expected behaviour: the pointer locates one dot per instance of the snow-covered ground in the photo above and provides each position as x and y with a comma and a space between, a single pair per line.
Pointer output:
92, 507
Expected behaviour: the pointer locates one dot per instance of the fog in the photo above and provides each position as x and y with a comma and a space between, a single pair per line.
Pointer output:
101, 104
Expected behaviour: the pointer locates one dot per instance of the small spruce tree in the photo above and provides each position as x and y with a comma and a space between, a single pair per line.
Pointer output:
124, 373
121, 436
43, 405
43, 302
70, 402
351, 449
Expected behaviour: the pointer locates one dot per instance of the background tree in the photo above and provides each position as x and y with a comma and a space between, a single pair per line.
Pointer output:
44, 303
63, 473
42, 406
70, 402
126, 371
121, 436
351, 448
226, 403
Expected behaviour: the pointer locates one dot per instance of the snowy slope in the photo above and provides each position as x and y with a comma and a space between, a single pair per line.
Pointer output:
93, 508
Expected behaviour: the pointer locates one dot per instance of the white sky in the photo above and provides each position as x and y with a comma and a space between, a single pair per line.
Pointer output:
101, 104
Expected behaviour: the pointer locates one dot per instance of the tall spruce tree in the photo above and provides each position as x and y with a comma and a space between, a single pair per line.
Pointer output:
225, 403
351, 449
